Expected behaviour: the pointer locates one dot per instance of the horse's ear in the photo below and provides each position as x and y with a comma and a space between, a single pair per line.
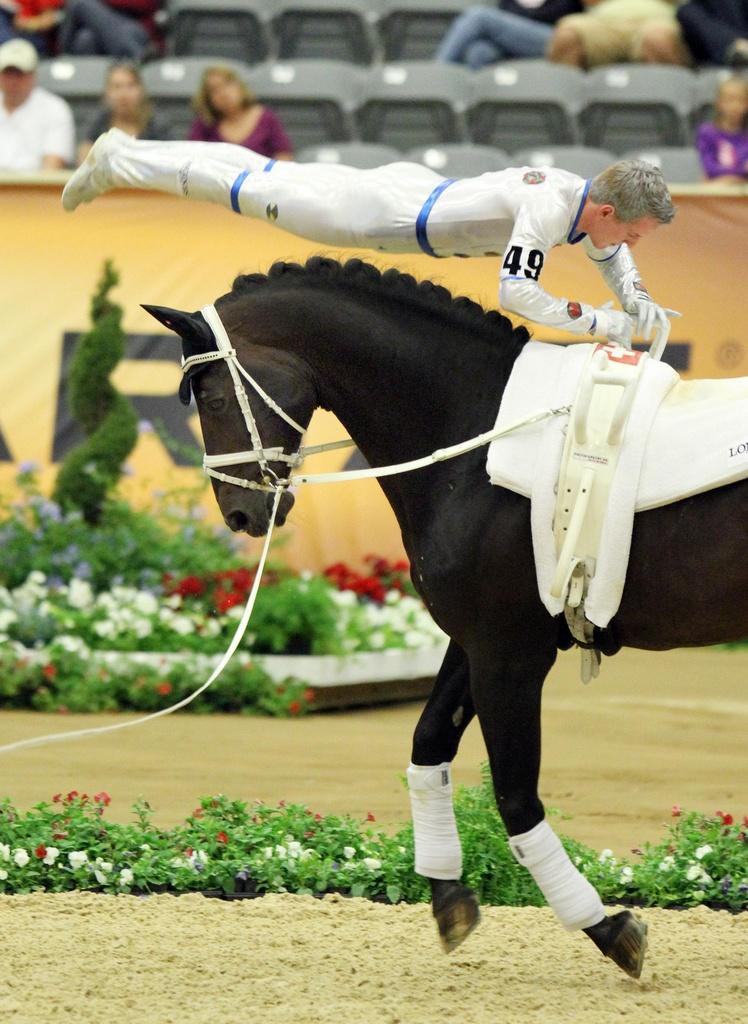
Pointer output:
186, 325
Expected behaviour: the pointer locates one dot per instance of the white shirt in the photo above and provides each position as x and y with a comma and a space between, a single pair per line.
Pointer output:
42, 126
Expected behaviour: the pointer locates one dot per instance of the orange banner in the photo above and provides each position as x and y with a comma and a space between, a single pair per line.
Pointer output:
174, 253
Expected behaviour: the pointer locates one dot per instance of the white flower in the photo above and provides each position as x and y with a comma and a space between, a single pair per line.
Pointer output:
101, 878
281, 851
4, 851
145, 846
348, 852
105, 628
21, 858
268, 852
36, 577
666, 863
73, 644
306, 854
145, 603
3, 875
174, 601
182, 625
51, 855
294, 849
414, 638
125, 876
605, 856
80, 594
7, 618
372, 863
77, 859
200, 856
693, 872
142, 628
376, 640
105, 865
392, 597
702, 851
627, 874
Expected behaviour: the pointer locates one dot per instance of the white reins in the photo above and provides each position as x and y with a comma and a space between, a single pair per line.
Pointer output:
277, 485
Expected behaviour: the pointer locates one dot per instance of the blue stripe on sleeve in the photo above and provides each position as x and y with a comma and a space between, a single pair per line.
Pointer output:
606, 258
269, 165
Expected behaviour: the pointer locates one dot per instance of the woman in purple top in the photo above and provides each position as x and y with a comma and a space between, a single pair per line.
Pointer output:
723, 143
228, 112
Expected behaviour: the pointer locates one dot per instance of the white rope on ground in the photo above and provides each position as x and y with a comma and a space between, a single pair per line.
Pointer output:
59, 737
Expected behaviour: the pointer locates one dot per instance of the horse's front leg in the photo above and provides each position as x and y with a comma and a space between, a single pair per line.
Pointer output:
445, 717
507, 687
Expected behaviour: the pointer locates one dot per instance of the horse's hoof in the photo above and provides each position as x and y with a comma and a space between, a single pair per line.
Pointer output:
457, 913
623, 938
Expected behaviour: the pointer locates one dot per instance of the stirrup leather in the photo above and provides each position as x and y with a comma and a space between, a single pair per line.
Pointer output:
593, 443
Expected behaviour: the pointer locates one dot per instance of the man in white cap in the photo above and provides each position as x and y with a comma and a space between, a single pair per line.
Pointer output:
37, 131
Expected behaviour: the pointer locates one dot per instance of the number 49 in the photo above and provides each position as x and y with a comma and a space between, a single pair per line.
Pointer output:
516, 257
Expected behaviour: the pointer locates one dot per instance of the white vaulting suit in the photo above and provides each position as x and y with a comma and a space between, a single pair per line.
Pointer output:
517, 215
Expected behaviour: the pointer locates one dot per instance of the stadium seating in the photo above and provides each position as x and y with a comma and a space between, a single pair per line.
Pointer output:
220, 29
413, 29
460, 160
583, 160
706, 83
173, 82
637, 105
315, 99
354, 154
413, 103
80, 81
679, 164
525, 103
327, 29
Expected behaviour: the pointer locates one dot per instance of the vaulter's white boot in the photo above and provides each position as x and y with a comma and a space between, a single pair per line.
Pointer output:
196, 170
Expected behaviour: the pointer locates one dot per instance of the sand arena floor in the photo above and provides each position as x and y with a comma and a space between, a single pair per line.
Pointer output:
653, 731
190, 960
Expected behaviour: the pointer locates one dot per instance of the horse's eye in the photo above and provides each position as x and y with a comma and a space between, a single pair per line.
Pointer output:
216, 404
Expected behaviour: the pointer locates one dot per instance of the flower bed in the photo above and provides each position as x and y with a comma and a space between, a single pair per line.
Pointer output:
225, 845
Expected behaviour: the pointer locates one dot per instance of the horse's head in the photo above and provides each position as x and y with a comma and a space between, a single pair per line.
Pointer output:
281, 375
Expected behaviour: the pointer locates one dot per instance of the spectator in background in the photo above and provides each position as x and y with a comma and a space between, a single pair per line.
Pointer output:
228, 112
36, 128
127, 107
513, 28
33, 20
113, 28
616, 31
716, 30
723, 143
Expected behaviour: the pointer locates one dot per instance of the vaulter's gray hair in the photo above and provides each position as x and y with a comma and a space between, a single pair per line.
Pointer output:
636, 189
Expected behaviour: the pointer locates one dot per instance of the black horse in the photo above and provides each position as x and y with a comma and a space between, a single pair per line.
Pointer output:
408, 369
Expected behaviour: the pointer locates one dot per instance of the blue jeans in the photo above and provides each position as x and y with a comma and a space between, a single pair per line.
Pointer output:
41, 40
92, 27
484, 35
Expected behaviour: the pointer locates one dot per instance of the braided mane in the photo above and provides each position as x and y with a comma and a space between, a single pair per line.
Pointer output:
357, 276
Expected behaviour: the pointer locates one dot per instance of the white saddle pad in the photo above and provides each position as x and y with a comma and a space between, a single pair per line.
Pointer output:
682, 438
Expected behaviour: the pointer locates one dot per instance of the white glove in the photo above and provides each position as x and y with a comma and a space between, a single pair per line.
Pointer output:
613, 325
651, 319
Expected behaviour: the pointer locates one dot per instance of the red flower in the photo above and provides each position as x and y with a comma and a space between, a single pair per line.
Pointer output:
40, 851
675, 810
222, 837
102, 798
401, 566
223, 600
71, 796
318, 817
197, 813
741, 837
59, 835
281, 803
727, 819
309, 696
294, 707
163, 688
56, 799
370, 816
190, 586
308, 834
188, 852
50, 671
745, 821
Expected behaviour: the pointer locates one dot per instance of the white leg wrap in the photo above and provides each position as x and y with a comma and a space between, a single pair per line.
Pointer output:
438, 850
569, 894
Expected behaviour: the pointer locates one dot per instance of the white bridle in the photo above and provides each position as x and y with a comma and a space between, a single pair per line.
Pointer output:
270, 480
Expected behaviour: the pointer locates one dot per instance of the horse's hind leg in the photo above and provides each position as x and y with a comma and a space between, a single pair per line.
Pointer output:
447, 714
